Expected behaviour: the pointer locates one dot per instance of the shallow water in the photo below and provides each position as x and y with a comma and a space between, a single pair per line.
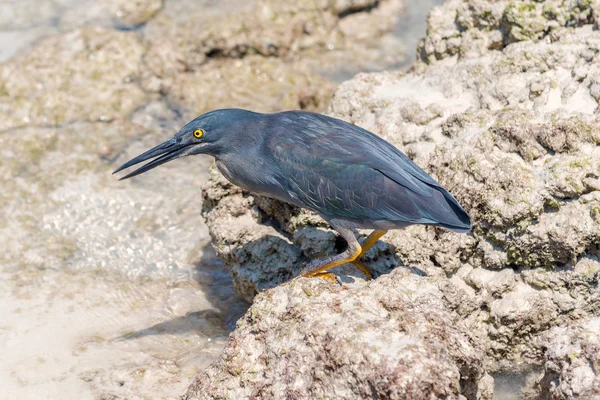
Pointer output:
67, 335
508, 385
409, 28
110, 288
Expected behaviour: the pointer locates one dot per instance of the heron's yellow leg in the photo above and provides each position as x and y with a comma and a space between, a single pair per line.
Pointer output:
363, 268
318, 266
351, 255
370, 241
366, 245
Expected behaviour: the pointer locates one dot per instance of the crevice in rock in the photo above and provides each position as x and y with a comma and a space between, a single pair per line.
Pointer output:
358, 9
340, 244
434, 261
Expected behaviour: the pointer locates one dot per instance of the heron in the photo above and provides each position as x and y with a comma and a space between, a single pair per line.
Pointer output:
349, 176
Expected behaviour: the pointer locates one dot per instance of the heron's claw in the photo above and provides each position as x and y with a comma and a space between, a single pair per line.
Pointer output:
365, 270
330, 276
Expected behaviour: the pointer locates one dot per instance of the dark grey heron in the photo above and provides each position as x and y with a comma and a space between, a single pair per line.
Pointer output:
352, 178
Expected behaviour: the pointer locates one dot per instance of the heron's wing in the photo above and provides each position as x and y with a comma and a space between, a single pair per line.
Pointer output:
354, 144
343, 171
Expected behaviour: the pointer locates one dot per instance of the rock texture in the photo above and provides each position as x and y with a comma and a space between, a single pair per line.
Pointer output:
386, 339
83, 75
571, 363
268, 28
471, 28
502, 109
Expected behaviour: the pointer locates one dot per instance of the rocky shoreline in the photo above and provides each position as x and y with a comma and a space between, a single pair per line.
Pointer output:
502, 108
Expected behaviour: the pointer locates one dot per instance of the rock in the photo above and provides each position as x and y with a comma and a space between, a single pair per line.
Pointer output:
513, 134
387, 339
264, 55
84, 75
322, 30
469, 28
522, 165
257, 255
571, 363
257, 83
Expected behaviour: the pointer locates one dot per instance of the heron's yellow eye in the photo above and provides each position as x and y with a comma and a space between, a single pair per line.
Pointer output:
198, 133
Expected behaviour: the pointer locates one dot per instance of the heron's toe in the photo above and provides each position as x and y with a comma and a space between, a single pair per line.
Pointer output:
330, 276
365, 270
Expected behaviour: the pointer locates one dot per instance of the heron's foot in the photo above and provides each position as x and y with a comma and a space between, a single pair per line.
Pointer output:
365, 270
317, 267
324, 265
329, 276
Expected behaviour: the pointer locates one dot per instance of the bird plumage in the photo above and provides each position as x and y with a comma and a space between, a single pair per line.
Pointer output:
346, 173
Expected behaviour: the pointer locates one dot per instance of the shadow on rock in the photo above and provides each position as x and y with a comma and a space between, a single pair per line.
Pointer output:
382, 258
273, 259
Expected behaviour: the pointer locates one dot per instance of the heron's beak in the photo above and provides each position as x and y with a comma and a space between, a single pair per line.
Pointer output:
165, 152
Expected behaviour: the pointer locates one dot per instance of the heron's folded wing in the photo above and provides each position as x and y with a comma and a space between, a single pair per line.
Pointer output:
336, 183
335, 139
343, 170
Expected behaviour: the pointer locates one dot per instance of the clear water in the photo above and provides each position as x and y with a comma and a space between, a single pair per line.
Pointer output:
109, 288
508, 385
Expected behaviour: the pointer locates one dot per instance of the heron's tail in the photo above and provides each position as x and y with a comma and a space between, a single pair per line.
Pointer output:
450, 213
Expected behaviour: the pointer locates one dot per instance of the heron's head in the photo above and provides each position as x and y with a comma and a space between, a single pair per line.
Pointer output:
210, 133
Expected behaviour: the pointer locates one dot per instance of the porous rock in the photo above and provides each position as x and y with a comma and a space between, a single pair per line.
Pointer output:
470, 28
571, 365
84, 75
388, 339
